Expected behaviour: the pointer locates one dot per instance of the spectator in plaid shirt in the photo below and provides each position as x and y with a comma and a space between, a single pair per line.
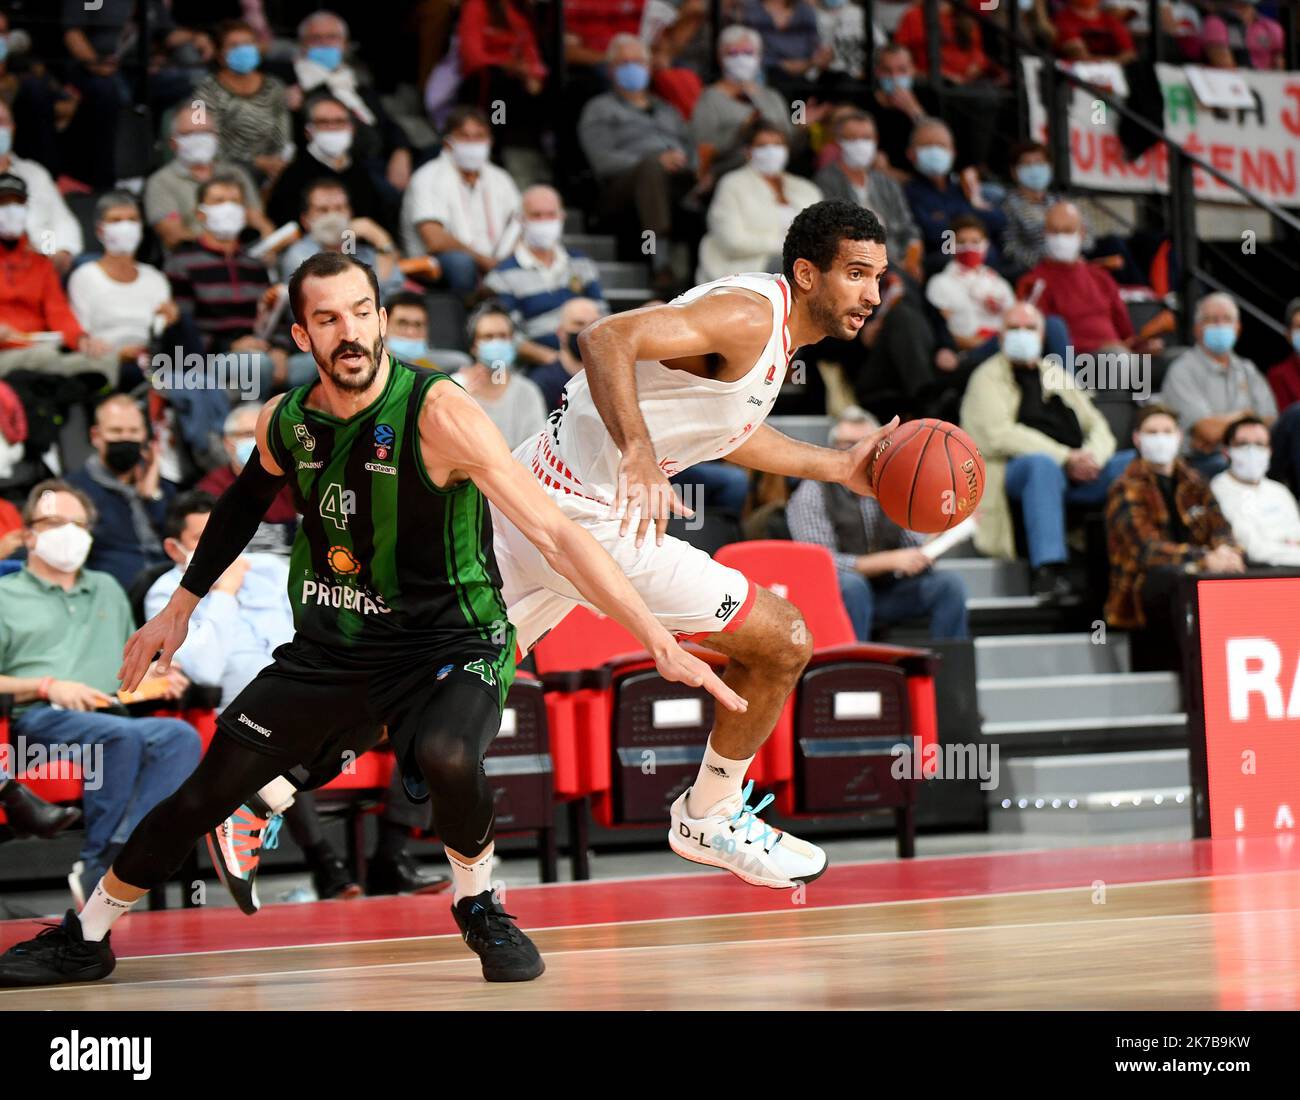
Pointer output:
884, 577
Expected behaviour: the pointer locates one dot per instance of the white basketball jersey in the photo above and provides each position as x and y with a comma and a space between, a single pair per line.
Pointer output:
690, 419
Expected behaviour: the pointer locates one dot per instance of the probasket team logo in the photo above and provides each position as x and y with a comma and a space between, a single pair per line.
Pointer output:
343, 561
304, 437
384, 436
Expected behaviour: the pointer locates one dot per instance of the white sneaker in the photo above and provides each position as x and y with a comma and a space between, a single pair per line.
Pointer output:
732, 836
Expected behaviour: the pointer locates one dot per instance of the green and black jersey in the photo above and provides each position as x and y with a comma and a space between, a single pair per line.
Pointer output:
387, 566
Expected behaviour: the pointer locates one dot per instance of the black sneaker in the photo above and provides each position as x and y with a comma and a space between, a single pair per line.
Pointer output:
332, 879
57, 956
400, 874
508, 955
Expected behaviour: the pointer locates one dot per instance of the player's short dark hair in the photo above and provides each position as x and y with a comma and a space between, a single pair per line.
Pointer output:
323, 183
968, 221
325, 265
407, 298
194, 503
1146, 412
227, 178
816, 233
1230, 432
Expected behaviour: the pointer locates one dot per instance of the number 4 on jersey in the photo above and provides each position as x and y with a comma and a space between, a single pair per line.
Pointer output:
337, 503
484, 670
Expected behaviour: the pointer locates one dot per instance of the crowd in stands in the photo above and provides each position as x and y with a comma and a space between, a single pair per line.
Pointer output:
272, 135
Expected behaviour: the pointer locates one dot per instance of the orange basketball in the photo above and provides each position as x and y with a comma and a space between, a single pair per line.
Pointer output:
928, 475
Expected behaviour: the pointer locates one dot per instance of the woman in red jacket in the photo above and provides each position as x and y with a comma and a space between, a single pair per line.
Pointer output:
500, 63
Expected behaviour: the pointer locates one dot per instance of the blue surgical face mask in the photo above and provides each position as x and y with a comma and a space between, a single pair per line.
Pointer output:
244, 451
6, 139
496, 353
4, 47
243, 59
328, 57
1219, 339
1295, 339
1034, 176
632, 76
406, 348
1022, 345
933, 160
890, 84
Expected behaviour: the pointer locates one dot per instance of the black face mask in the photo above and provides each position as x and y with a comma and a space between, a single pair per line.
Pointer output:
573, 346
123, 455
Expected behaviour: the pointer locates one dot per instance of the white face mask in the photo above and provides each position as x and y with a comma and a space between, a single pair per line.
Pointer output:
1159, 448
740, 67
858, 153
769, 160
470, 156
543, 233
1250, 462
200, 148
224, 220
63, 548
13, 220
1063, 247
121, 238
327, 229
332, 144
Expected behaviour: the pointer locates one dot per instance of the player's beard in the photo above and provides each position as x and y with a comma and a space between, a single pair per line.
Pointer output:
352, 379
829, 320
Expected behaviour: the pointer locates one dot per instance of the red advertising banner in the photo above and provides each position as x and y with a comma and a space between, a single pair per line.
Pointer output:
1250, 665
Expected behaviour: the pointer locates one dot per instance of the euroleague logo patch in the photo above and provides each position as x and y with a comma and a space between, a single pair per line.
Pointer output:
343, 561
384, 436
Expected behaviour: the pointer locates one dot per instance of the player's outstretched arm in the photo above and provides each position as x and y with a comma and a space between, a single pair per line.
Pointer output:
734, 324
775, 452
234, 521
457, 436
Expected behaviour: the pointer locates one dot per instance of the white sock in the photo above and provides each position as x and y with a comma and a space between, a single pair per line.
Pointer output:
278, 794
719, 778
469, 879
101, 912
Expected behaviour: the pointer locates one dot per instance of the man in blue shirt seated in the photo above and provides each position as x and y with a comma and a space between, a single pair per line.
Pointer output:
232, 634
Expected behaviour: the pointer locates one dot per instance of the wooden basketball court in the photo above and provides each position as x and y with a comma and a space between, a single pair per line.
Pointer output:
1195, 925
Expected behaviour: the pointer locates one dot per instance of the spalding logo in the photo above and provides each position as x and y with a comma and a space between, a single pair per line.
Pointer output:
972, 487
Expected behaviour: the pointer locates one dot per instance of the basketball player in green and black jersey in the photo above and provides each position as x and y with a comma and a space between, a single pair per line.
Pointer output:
399, 616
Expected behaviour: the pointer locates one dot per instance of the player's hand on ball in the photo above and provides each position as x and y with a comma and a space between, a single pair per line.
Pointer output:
646, 493
858, 461
680, 667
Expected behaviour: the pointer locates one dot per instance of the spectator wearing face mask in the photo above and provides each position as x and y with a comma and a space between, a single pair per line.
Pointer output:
575, 315
407, 335
275, 532
116, 299
327, 219
1284, 377
535, 282
642, 155
937, 195
171, 193
1210, 386
253, 123
512, 402
1162, 521
736, 101
854, 178
969, 294
898, 105
123, 478
49, 222
1025, 206
461, 209
327, 154
32, 303
1264, 516
753, 207
62, 630
221, 284
1045, 445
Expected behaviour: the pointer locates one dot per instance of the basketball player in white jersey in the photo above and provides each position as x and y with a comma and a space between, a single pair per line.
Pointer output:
664, 388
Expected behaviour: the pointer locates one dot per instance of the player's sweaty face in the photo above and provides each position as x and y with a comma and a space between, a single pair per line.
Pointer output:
846, 294
345, 328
